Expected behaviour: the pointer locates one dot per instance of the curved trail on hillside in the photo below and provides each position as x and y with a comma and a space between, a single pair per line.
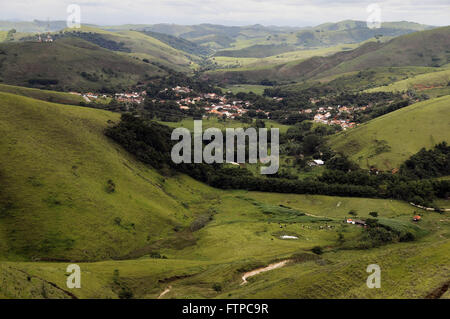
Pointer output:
261, 270
165, 292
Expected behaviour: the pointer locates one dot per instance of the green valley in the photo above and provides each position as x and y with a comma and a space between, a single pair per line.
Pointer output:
102, 170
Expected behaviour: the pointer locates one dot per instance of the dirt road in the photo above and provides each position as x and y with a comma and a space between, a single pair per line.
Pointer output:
261, 270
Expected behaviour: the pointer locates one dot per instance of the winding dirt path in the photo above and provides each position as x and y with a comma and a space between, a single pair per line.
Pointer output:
165, 292
261, 270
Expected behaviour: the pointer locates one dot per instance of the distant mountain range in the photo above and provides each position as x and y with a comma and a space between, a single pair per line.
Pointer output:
96, 57
220, 36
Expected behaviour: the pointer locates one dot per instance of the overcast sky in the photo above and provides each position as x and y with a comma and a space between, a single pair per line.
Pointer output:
227, 12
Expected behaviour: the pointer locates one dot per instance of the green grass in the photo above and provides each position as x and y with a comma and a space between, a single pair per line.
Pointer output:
146, 47
296, 55
65, 60
45, 95
406, 131
55, 163
3, 35
56, 203
427, 48
422, 83
247, 88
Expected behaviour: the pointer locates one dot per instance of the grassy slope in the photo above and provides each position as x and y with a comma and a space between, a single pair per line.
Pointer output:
145, 46
240, 237
426, 48
257, 89
371, 78
296, 55
422, 83
55, 173
406, 131
55, 164
65, 59
3, 35
45, 95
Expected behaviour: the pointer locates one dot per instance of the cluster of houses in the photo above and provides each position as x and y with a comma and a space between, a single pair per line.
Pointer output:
46, 39
220, 106
333, 115
126, 97
134, 97
324, 116
214, 104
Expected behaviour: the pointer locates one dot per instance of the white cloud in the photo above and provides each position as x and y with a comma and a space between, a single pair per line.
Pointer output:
229, 12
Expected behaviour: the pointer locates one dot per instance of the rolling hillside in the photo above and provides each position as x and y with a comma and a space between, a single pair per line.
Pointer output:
70, 64
429, 83
237, 38
44, 95
69, 193
386, 142
171, 52
425, 48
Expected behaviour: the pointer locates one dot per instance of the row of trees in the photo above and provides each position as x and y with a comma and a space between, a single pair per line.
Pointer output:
150, 143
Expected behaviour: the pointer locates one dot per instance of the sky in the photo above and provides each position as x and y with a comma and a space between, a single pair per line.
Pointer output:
227, 12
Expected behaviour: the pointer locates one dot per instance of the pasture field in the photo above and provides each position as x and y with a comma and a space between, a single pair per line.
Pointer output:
44, 95
74, 196
422, 83
295, 55
247, 88
404, 132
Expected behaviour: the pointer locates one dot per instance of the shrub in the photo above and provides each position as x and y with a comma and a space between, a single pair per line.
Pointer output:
110, 187
116, 276
125, 293
217, 287
156, 255
317, 250
407, 237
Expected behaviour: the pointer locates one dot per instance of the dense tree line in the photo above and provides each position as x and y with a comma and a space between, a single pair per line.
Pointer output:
150, 142
99, 40
428, 163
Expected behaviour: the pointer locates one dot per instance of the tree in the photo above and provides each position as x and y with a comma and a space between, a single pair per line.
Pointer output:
373, 214
10, 35
317, 250
342, 163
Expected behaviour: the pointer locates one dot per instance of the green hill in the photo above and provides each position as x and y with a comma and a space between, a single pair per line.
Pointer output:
70, 193
257, 51
45, 95
433, 83
269, 39
171, 52
70, 64
386, 142
179, 43
425, 48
